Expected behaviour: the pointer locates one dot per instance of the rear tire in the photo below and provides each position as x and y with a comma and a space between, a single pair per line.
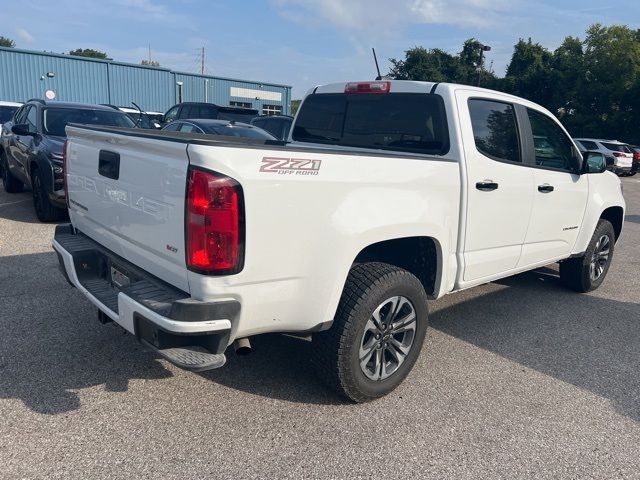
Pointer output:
10, 183
45, 210
586, 273
377, 334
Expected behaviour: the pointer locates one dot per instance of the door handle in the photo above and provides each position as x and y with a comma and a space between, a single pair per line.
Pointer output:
487, 185
545, 188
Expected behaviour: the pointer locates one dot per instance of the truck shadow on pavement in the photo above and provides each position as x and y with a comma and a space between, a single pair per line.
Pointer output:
51, 345
582, 339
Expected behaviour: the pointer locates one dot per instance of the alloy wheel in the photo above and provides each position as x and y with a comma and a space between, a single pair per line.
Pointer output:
600, 257
388, 337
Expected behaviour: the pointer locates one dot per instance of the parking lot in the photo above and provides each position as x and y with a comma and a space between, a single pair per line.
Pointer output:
518, 378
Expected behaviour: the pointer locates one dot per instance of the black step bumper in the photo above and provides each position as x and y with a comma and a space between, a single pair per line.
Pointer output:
157, 313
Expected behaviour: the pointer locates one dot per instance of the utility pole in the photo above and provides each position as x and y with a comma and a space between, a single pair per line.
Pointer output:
202, 62
149, 54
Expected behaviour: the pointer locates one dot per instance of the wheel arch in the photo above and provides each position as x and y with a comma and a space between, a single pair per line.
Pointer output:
615, 215
420, 255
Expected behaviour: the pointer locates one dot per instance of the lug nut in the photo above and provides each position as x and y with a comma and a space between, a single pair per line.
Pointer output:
377, 336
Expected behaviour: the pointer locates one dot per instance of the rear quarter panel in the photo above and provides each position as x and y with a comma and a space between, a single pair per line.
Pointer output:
305, 228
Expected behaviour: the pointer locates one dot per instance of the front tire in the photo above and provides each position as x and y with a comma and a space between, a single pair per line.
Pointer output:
377, 334
45, 210
586, 273
10, 183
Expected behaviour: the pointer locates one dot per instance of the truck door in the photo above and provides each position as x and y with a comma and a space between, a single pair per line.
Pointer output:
500, 187
560, 194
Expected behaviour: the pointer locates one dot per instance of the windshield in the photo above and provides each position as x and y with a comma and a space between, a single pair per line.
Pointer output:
245, 132
412, 122
56, 119
6, 113
616, 147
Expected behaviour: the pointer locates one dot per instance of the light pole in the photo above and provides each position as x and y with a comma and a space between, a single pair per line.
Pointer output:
483, 48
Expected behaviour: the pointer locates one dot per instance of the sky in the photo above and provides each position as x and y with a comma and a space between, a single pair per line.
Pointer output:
301, 43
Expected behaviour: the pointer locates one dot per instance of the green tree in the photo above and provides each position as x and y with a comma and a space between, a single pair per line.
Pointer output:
436, 65
89, 52
295, 104
433, 65
7, 42
529, 72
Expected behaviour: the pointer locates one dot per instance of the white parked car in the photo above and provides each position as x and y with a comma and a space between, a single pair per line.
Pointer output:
7, 109
391, 192
619, 155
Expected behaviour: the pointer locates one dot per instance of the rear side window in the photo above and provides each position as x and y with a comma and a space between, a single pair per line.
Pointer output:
495, 130
411, 122
588, 145
616, 147
553, 148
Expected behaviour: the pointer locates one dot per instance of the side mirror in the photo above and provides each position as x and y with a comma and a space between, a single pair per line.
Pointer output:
22, 129
593, 162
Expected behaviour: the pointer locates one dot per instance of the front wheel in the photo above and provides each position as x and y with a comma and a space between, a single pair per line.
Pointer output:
587, 272
377, 334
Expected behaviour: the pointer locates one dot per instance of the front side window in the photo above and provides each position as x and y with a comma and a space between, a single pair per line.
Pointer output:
495, 130
409, 122
171, 115
32, 119
172, 127
553, 148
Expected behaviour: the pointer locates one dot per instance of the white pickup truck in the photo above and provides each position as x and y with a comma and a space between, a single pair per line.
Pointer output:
387, 193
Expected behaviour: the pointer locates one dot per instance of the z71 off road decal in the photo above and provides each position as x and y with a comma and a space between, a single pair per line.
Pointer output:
290, 166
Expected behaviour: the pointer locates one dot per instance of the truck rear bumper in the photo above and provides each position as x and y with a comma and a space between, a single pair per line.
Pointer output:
158, 314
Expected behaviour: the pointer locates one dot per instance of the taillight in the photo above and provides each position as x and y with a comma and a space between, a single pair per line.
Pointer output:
367, 87
636, 156
214, 223
64, 171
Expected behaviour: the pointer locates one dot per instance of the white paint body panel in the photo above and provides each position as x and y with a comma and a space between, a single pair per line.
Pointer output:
142, 213
303, 232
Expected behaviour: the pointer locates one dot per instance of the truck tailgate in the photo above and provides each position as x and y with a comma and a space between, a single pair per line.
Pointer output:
128, 194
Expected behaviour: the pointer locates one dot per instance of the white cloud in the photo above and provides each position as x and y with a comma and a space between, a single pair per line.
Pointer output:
24, 35
386, 17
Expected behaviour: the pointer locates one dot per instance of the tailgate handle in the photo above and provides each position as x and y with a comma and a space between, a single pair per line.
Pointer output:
109, 164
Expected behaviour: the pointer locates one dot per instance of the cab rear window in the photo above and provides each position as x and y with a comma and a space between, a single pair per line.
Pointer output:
411, 122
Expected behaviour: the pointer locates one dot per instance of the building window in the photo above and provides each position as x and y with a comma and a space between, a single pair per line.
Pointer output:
240, 104
272, 109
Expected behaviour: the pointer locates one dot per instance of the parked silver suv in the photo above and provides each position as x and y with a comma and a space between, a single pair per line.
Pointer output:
619, 155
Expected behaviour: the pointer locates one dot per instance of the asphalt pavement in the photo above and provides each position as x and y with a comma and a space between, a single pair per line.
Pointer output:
519, 378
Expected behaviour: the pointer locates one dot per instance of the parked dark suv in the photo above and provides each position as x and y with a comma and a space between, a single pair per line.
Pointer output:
210, 111
31, 149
